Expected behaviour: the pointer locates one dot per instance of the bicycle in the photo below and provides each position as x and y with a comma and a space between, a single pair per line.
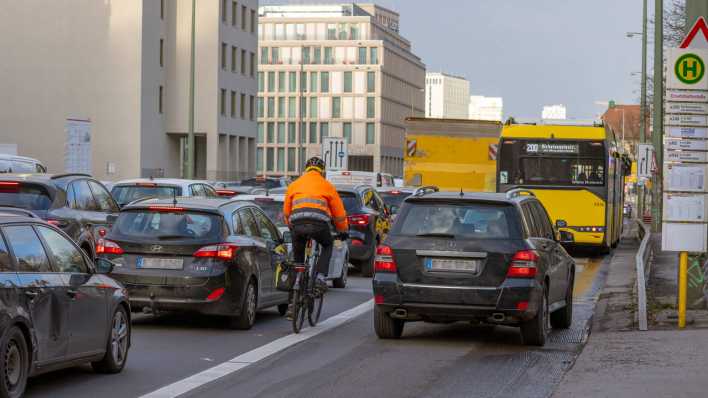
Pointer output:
305, 297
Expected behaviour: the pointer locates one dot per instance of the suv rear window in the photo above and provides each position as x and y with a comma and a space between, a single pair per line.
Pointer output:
124, 194
26, 196
463, 220
267, 183
163, 225
352, 203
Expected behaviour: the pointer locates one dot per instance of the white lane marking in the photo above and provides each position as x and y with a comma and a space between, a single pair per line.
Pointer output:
246, 359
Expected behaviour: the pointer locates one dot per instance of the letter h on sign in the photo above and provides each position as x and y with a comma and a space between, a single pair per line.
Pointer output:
690, 66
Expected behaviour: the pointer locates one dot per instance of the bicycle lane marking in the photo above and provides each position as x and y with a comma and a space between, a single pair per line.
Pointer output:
248, 358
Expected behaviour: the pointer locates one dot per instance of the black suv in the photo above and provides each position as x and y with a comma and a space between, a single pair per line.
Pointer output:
487, 257
58, 308
369, 222
76, 203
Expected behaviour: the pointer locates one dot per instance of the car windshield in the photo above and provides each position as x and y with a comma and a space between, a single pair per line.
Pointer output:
163, 225
273, 209
124, 194
26, 196
393, 200
266, 183
352, 204
464, 220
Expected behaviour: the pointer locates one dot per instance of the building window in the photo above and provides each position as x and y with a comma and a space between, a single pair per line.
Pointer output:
370, 107
313, 133
303, 154
348, 82
347, 132
362, 55
291, 133
251, 105
223, 55
224, 10
270, 161
324, 82
336, 107
281, 133
243, 18
162, 53
243, 62
222, 102
331, 31
313, 107
271, 107
354, 32
253, 21
281, 106
264, 56
313, 82
343, 32
303, 107
275, 55
281, 82
270, 133
261, 111
233, 104
234, 53
234, 9
259, 139
292, 107
281, 159
291, 159
259, 159
370, 133
303, 133
253, 63
306, 55
243, 106
271, 82
261, 82
328, 60
292, 80
160, 96
374, 55
370, 82
162, 9
303, 81
317, 57
324, 131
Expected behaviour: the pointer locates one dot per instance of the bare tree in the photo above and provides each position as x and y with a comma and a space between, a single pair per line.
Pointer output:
674, 23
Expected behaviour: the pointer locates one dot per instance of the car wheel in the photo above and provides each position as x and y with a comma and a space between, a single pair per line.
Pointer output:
117, 346
367, 266
387, 327
341, 282
535, 331
563, 317
283, 309
247, 317
14, 365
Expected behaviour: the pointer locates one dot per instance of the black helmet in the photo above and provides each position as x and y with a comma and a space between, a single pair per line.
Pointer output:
315, 163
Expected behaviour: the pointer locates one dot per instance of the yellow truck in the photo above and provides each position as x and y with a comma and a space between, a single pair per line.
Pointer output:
451, 154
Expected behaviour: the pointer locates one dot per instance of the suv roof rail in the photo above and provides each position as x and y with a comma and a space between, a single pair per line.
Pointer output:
57, 176
425, 190
516, 192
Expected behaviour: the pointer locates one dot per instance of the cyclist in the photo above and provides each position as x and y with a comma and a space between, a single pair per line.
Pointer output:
311, 205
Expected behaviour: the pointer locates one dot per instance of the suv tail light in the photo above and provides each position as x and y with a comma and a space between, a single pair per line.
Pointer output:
384, 260
105, 246
523, 264
359, 219
9, 186
222, 251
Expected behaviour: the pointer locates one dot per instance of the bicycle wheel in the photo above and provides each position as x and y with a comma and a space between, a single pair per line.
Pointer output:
299, 306
315, 297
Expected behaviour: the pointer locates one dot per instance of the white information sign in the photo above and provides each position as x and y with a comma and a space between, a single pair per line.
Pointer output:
684, 207
687, 132
77, 148
685, 156
674, 144
645, 160
685, 69
686, 120
677, 237
335, 153
686, 96
684, 177
687, 108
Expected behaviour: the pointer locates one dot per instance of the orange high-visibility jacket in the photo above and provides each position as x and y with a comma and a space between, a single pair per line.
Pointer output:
312, 197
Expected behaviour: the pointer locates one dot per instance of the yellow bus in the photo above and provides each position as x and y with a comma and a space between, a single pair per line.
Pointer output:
575, 171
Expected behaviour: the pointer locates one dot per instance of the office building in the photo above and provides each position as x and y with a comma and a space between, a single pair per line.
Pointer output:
555, 112
339, 71
446, 96
486, 108
117, 72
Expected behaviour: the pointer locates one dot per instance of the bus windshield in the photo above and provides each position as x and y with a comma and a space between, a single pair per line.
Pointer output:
552, 162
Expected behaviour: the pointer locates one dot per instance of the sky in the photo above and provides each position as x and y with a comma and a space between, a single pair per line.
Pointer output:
530, 52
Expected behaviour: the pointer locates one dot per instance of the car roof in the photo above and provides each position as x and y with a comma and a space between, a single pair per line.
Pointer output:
166, 181
5, 156
275, 198
471, 196
189, 202
16, 218
352, 188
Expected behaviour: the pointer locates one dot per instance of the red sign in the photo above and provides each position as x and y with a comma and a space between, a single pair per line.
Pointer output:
699, 27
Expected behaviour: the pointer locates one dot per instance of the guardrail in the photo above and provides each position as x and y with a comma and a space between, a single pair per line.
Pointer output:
642, 266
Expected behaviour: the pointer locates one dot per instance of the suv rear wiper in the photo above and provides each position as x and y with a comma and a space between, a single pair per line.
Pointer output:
436, 235
165, 237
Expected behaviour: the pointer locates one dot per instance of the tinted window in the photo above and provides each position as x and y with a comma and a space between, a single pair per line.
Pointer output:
169, 226
209, 191
352, 203
83, 196
268, 230
27, 249
272, 209
66, 256
125, 194
5, 262
543, 221
196, 190
466, 220
5, 166
534, 230
102, 197
393, 201
248, 223
23, 167
261, 182
26, 196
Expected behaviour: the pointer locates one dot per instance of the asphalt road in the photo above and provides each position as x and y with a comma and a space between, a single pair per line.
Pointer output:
445, 360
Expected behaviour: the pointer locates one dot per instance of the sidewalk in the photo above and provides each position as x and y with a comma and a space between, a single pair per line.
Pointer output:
618, 360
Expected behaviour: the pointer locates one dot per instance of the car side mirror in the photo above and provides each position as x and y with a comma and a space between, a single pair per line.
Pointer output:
104, 266
565, 237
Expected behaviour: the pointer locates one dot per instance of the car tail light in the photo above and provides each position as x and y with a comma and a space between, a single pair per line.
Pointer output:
523, 264
222, 251
346, 173
146, 184
357, 242
57, 223
522, 305
102, 232
9, 185
167, 209
105, 246
384, 260
359, 219
225, 192
216, 294
378, 299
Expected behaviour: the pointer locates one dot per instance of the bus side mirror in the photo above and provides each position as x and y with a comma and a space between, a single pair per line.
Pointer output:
561, 223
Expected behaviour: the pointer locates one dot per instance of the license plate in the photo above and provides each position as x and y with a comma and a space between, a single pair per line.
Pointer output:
158, 263
455, 265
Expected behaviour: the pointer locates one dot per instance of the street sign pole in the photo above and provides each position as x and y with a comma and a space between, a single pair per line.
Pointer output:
189, 173
643, 106
658, 124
